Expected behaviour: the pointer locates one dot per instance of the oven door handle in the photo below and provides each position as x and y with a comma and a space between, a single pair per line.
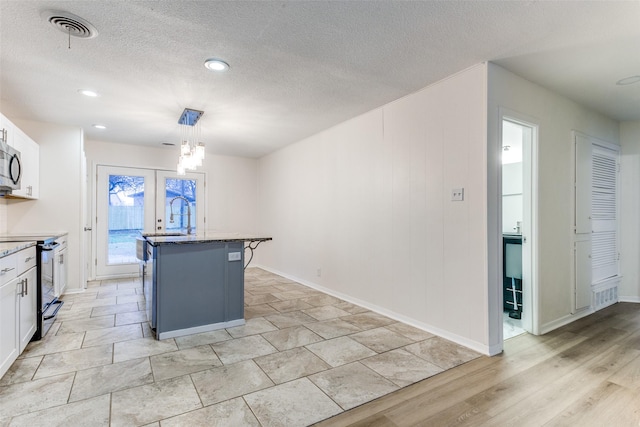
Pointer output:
50, 247
51, 316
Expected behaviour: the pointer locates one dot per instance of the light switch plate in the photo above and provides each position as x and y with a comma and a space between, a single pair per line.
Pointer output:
234, 256
457, 194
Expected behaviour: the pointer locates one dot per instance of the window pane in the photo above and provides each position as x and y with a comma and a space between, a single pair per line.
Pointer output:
126, 217
180, 201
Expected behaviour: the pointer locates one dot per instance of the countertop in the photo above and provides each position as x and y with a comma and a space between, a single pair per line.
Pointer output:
9, 248
35, 236
203, 237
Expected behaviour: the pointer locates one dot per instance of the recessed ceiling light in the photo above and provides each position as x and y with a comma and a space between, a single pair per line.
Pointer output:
99, 126
215, 64
628, 81
88, 92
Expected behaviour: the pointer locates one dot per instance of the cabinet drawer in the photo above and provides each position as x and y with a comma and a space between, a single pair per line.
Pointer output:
8, 269
25, 260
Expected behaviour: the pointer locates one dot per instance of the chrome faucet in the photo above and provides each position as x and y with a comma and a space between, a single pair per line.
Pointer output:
188, 212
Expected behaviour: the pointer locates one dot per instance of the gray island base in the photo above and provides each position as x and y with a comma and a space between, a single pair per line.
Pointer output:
194, 283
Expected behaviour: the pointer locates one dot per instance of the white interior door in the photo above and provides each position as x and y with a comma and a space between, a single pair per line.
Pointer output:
180, 202
125, 206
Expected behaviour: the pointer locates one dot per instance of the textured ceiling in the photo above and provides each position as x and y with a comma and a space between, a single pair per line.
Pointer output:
296, 67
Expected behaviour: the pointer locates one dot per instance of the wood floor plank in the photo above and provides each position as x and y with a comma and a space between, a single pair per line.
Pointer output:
628, 376
584, 374
455, 392
609, 405
550, 400
515, 391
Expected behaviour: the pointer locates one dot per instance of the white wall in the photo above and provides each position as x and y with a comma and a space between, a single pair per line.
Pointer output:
230, 181
630, 211
59, 206
368, 203
557, 117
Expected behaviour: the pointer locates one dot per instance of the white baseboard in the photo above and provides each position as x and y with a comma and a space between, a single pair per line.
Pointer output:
200, 329
116, 276
73, 291
565, 320
474, 345
629, 299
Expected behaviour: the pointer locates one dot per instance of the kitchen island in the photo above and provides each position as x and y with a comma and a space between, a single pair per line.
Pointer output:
194, 283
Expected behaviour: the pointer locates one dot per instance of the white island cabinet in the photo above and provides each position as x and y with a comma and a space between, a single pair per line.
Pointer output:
18, 304
29, 159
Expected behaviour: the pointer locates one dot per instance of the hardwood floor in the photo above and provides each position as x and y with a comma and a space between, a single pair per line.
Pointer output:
583, 374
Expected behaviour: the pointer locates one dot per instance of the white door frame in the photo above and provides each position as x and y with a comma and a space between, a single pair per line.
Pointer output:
531, 321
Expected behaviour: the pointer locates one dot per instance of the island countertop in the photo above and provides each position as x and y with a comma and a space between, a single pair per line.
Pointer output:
156, 239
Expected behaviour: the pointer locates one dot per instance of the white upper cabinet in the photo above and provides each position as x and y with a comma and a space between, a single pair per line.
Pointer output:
6, 128
29, 159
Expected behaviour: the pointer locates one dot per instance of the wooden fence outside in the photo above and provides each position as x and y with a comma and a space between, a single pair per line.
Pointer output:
126, 217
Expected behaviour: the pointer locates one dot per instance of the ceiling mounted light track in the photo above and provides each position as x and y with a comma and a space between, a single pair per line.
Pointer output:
70, 24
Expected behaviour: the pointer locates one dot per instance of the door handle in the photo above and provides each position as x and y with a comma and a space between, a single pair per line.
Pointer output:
87, 229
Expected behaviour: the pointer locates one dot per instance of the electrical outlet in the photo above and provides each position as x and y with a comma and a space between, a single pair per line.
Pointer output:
457, 194
235, 256
319, 272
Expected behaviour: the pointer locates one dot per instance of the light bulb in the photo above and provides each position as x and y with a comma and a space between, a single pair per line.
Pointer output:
200, 151
185, 148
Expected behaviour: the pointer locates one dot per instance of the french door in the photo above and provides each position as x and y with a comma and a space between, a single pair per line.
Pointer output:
131, 201
177, 206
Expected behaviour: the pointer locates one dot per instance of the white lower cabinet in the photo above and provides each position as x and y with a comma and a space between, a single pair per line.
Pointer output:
27, 301
60, 281
8, 325
18, 305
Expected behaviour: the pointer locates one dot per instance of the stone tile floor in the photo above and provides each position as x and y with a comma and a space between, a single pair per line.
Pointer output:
302, 356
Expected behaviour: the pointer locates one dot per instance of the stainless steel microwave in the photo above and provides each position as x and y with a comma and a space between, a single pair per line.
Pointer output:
10, 169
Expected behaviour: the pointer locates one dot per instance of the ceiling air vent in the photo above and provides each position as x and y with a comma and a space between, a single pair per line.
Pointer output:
70, 24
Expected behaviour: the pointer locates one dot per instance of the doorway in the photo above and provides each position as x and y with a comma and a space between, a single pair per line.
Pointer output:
519, 168
131, 201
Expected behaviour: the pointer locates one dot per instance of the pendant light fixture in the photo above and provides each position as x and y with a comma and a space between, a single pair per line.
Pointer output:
191, 149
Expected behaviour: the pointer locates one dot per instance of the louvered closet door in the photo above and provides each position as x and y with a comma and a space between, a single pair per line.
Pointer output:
604, 213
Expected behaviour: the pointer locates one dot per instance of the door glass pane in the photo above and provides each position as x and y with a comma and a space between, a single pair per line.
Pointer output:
180, 204
126, 217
